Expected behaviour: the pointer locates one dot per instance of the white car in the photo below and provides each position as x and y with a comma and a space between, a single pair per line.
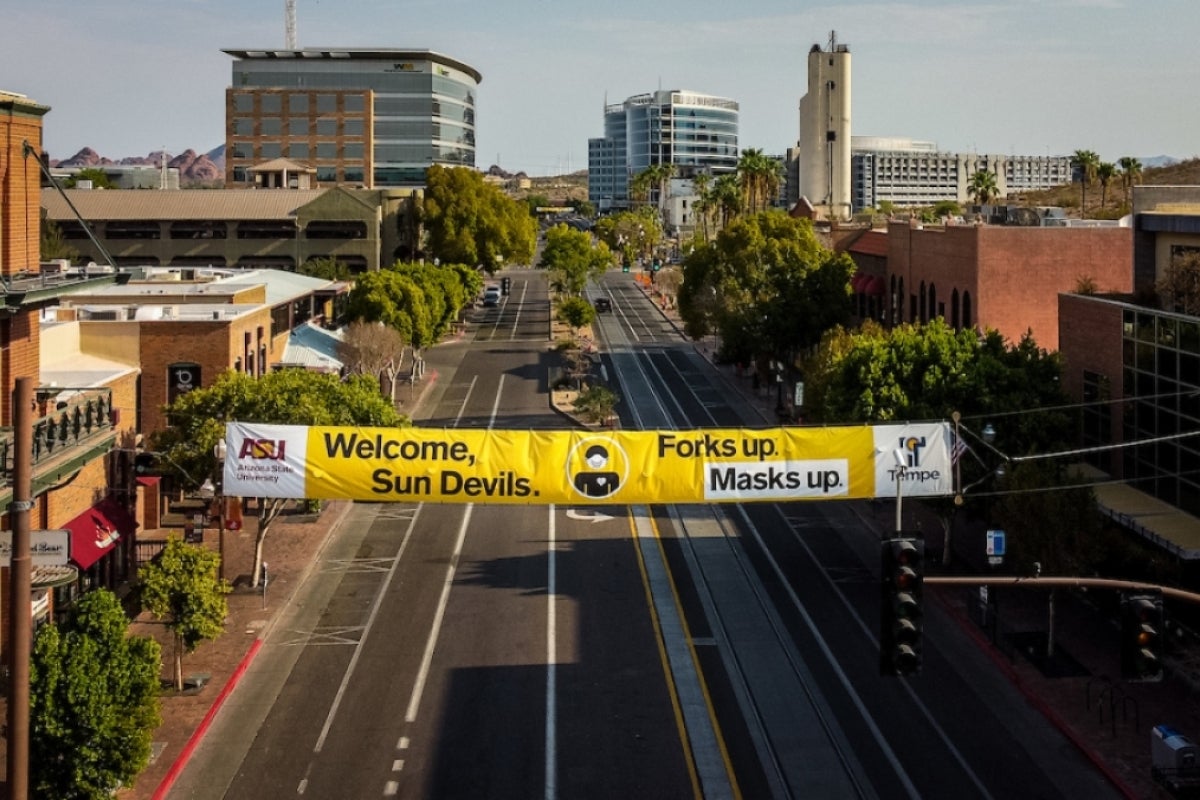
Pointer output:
491, 295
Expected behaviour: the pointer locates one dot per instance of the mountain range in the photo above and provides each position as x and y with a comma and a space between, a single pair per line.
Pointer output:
204, 169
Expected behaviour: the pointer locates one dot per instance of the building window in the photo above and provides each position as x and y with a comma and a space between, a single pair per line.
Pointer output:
298, 150
297, 104
243, 103
272, 126
327, 127
326, 103
298, 126
271, 104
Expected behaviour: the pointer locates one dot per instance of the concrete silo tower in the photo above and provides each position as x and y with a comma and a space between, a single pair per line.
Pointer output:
824, 145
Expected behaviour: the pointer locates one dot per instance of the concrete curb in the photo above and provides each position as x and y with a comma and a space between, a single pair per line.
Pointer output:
185, 755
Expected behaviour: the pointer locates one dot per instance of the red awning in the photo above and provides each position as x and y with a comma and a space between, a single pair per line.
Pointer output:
856, 282
875, 286
96, 531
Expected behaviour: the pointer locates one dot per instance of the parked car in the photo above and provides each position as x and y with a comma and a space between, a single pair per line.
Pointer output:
602, 304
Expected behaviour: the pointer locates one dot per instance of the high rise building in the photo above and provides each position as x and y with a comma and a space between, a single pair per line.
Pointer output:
369, 118
693, 132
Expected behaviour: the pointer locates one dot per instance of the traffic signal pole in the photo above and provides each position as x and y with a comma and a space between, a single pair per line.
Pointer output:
1095, 583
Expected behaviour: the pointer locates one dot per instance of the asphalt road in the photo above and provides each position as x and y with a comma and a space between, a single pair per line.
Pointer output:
483, 651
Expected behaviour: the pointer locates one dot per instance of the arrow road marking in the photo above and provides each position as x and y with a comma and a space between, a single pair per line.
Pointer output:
597, 517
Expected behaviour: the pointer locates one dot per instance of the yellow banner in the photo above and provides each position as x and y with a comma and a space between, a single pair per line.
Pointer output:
578, 467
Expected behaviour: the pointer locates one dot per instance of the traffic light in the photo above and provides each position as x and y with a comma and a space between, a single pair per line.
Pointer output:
901, 582
1142, 635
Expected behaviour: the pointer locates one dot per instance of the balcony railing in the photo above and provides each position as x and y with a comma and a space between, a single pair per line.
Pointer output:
80, 427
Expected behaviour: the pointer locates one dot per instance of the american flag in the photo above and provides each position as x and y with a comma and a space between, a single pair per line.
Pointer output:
957, 448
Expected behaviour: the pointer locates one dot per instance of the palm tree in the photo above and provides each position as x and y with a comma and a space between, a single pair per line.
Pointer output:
702, 186
1105, 172
1131, 173
759, 178
639, 186
1084, 163
727, 197
982, 186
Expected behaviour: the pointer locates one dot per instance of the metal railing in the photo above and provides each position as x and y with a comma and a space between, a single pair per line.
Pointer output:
83, 416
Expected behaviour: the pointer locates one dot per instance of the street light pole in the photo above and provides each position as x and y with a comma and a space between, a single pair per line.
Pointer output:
901, 469
219, 451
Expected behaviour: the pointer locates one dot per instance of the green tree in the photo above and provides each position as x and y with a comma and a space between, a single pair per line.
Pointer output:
982, 186
1131, 173
572, 260
1084, 162
469, 221
948, 208
328, 268
727, 198
93, 702
596, 403
1179, 287
395, 299
575, 312
98, 177
285, 397
633, 234
758, 176
53, 244
182, 589
766, 286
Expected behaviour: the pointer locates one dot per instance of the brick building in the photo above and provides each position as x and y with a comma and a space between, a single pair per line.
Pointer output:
77, 482
1002, 277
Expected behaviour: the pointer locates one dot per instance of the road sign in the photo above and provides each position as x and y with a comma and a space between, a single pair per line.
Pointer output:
996, 546
47, 548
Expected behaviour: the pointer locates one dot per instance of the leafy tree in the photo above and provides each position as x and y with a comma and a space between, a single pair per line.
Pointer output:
633, 234
572, 260
1179, 287
596, 403
469, 221
575, 312
286, 397
53, 243
929, 371
393, 298
1084, 162
536, 201
582, 207
766, 286
329, 269
372, 348
182, 589
98, 177
93, 703
949, 208
982, 186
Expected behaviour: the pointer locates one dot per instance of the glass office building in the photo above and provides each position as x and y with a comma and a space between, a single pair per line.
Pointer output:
370, 118
694, 132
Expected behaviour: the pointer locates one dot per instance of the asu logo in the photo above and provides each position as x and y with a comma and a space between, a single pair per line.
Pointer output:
263, 449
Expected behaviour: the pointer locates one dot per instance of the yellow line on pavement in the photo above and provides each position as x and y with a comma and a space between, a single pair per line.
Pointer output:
662, 652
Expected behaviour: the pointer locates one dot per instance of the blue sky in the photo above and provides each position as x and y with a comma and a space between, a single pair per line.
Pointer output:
1034, 77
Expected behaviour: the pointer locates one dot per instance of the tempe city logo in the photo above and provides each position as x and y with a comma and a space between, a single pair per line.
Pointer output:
908, 465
